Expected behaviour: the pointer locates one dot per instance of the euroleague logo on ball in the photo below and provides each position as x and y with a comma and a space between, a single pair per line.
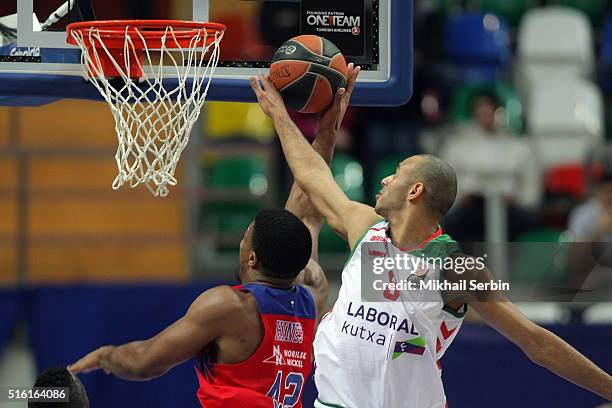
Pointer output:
287, 49
355, 30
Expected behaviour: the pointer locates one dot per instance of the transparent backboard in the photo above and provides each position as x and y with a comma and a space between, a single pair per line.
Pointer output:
38, 66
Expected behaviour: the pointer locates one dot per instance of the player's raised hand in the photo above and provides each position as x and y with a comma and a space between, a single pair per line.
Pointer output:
269, 98
89, 363
331, 119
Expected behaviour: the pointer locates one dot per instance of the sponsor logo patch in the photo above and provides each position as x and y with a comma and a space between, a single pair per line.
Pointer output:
412, 346
290, 332
286, 357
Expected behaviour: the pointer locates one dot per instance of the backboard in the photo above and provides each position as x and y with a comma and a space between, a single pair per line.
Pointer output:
38, 66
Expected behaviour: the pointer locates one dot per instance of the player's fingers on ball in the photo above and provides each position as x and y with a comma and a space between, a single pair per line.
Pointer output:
350, 85
337, 103
355, 73
353, 79
349, 70
262, 79
269, 86
255, 85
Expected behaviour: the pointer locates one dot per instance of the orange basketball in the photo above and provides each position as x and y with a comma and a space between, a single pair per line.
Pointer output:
308, 70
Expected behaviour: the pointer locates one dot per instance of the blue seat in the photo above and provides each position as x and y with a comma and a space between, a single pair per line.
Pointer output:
479, 44
606, 54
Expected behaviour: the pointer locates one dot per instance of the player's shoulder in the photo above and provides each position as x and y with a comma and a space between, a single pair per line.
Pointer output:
226, 299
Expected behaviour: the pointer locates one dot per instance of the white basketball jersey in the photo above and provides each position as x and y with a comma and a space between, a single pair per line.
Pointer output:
384, 354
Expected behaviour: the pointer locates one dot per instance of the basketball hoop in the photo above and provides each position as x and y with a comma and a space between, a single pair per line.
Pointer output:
153, 116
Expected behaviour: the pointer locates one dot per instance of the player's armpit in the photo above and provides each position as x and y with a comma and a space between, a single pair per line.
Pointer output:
205, 320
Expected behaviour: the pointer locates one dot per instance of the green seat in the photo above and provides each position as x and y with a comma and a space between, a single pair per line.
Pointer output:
594, 9
230, 217
245, 176
540, 258
446, 7
329, 241
382, 169
349, 176
239, 172
348, 173
461, 108
511, 10
541, 235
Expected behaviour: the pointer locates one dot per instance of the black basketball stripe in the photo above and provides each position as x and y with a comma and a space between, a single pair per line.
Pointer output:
322, 41
336, 79
297, 94
298, 78
301, 53
316, 76
329, 48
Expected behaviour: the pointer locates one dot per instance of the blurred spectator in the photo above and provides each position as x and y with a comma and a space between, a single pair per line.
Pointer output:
487, 157
590, 225
591, 221
389, 131
60, 377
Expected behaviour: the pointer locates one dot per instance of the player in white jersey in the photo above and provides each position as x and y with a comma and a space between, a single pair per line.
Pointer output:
379, 354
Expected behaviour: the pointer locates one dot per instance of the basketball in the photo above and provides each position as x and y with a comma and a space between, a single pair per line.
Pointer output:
308, 70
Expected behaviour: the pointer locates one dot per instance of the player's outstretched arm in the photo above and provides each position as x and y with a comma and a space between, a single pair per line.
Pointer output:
311, 173
545, 348
143, 360
300, 204
313, 277
540, 345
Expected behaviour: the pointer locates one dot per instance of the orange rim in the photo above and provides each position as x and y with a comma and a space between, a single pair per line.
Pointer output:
113, 32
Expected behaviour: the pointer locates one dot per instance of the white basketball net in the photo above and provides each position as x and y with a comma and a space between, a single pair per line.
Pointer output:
153, 122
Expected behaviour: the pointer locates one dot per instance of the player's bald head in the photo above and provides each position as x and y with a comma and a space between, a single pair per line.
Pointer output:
439, 178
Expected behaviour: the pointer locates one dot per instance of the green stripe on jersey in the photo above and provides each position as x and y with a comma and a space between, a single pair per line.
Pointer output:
439, 247
328, 404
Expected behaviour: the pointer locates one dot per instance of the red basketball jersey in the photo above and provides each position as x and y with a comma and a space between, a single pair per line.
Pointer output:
274, 376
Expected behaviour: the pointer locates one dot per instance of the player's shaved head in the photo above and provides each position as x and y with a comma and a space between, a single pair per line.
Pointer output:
440, 182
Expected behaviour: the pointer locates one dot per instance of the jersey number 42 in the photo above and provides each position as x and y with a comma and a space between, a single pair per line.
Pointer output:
287, 391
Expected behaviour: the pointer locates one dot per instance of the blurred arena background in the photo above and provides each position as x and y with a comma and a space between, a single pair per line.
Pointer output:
514, 93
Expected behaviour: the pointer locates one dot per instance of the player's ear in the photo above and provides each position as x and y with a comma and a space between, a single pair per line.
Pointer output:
416, 191
253, 261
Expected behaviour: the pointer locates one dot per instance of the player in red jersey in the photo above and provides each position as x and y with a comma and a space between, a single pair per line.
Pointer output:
253, 342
